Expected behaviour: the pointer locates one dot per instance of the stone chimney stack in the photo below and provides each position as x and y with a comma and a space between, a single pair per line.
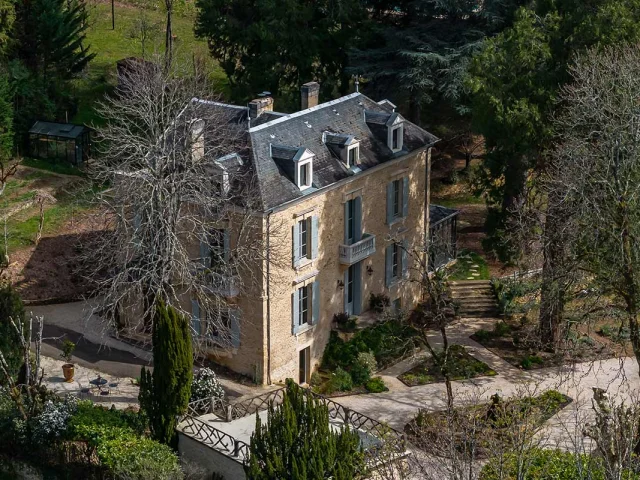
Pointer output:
260, 105
309, 94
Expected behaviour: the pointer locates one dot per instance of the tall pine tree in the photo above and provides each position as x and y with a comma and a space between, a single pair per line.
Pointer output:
297, 443
164, 395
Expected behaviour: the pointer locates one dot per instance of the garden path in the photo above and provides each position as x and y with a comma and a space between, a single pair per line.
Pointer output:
399, 405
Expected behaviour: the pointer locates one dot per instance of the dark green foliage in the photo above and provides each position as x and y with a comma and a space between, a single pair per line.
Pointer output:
91, 415
278, 46
543, 465
298, 443
341, 381
515, 81
508, 291
378, 303
165, 394
376, 385
531, 360
6, 115
345, 322
618, 334
11, 307
7, 15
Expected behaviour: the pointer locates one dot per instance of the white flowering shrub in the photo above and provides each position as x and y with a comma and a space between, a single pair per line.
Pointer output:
206, 385
52, 422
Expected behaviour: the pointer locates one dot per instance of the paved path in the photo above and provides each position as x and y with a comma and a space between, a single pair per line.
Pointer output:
398, 406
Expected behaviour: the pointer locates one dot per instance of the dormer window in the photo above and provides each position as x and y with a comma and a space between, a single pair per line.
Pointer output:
303, 162
304, 175
353, 156
396, 138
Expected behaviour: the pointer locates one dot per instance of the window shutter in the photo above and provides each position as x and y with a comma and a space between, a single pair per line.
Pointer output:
226, 244
346, 222
296, 245
357, 219
295, 310
345, 289
390, 202
357, 289
314, 236
234, 320
405, 259
405, 196
388, 259
195, 316
315, 302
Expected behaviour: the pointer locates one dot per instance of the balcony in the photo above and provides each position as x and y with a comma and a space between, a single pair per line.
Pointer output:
350, 254
218, 284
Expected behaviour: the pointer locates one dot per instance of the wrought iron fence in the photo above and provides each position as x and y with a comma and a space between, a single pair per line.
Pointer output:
214, 438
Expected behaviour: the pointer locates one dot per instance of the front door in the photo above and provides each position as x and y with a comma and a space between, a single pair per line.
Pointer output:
305, 362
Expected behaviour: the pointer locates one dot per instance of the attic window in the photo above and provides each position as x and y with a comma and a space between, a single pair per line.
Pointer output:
396, 138
304, 175
353, 156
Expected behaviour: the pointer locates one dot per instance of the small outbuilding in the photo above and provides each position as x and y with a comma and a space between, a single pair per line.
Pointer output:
443, 230
60, 142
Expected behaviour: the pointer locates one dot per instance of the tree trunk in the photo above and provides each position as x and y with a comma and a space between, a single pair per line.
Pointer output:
444, 368
168, 41
631, 287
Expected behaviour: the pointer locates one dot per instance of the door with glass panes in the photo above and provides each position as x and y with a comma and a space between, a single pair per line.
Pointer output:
353, 289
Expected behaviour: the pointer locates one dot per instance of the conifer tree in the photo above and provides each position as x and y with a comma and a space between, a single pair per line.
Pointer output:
298, 443
164, 395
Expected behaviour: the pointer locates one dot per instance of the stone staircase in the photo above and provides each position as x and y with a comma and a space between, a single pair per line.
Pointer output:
475, 298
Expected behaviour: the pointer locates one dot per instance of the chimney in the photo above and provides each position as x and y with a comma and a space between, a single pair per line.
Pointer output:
260, 105
310, 92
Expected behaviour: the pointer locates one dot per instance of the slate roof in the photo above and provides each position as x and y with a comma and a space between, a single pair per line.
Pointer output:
274, 137
59, 130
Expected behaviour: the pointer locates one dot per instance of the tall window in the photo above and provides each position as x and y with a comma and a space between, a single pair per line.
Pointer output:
217, 249
303, 239
395, 261
395, 139
397, 198
305, 176
350, 220
353, 157
303, 306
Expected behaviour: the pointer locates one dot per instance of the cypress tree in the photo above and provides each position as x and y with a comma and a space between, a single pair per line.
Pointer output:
297, 443
164, 395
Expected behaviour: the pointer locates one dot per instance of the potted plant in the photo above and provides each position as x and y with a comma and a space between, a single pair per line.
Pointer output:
68, 368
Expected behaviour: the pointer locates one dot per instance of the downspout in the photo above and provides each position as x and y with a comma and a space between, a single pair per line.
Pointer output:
269, 297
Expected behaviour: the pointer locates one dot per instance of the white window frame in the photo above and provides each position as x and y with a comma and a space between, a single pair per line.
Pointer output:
304, 230
396, 262
356, 149
398, 195
307, 164
304, 299
392, 130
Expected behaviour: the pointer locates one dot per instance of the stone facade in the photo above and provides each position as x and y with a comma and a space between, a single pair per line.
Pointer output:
252, 355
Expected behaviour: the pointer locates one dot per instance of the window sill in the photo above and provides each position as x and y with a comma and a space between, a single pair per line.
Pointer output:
395, 221
302, 330
303, 264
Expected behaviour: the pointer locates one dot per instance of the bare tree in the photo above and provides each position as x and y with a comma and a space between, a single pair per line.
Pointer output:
42, 198
183, 214
594, 174
144, 30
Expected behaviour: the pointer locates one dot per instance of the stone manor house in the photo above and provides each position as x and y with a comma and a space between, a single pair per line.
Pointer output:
343, 177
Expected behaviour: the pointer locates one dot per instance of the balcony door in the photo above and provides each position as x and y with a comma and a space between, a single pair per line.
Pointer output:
353, 289
304, 365
353, 221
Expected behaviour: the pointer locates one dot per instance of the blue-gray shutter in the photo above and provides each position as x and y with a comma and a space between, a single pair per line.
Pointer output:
226, 244
405, 259
357, 219
205, 254
357, 289
295, 310
345, 289
405, 196
314, 237
388, 263
315, 302
346, 222
195, 316
296, 245
390, 202
234, 320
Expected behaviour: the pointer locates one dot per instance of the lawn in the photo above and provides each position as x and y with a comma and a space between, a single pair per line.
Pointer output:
113, 45
461, 366
468, 265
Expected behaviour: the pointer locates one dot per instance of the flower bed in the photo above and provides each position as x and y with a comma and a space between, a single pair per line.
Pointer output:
461, 366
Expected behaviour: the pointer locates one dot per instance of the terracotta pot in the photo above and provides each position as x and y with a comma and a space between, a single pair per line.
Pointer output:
68, 370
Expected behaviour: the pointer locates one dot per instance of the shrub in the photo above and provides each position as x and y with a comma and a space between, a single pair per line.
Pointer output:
88, 414
360, 374
368, 360
52, 423
378, 303
341, 380
501, 329
206, 385
11, 307
341, 318
376, 385
316, 379
530, 360
542, 465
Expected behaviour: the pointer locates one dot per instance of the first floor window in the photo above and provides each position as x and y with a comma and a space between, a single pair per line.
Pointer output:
303, 306
303, 240
395, 261
397, 198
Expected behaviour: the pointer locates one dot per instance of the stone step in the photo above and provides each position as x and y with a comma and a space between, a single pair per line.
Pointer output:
472, 302
478, 312
467, 293
465, 283
471, 288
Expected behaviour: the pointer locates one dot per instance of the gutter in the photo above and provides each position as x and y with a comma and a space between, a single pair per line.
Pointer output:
269, 297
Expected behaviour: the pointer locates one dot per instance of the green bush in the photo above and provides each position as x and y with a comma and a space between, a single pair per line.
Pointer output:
544, 465
501, 329
376, 385
341, 380
11, 307
360, 374
368, 360
89, 415
378, 303
530, 360
316, 379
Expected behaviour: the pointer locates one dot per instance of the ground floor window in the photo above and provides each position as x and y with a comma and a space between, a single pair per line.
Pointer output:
304, 365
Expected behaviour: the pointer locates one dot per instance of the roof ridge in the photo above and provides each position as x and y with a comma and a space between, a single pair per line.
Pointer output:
304, 112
